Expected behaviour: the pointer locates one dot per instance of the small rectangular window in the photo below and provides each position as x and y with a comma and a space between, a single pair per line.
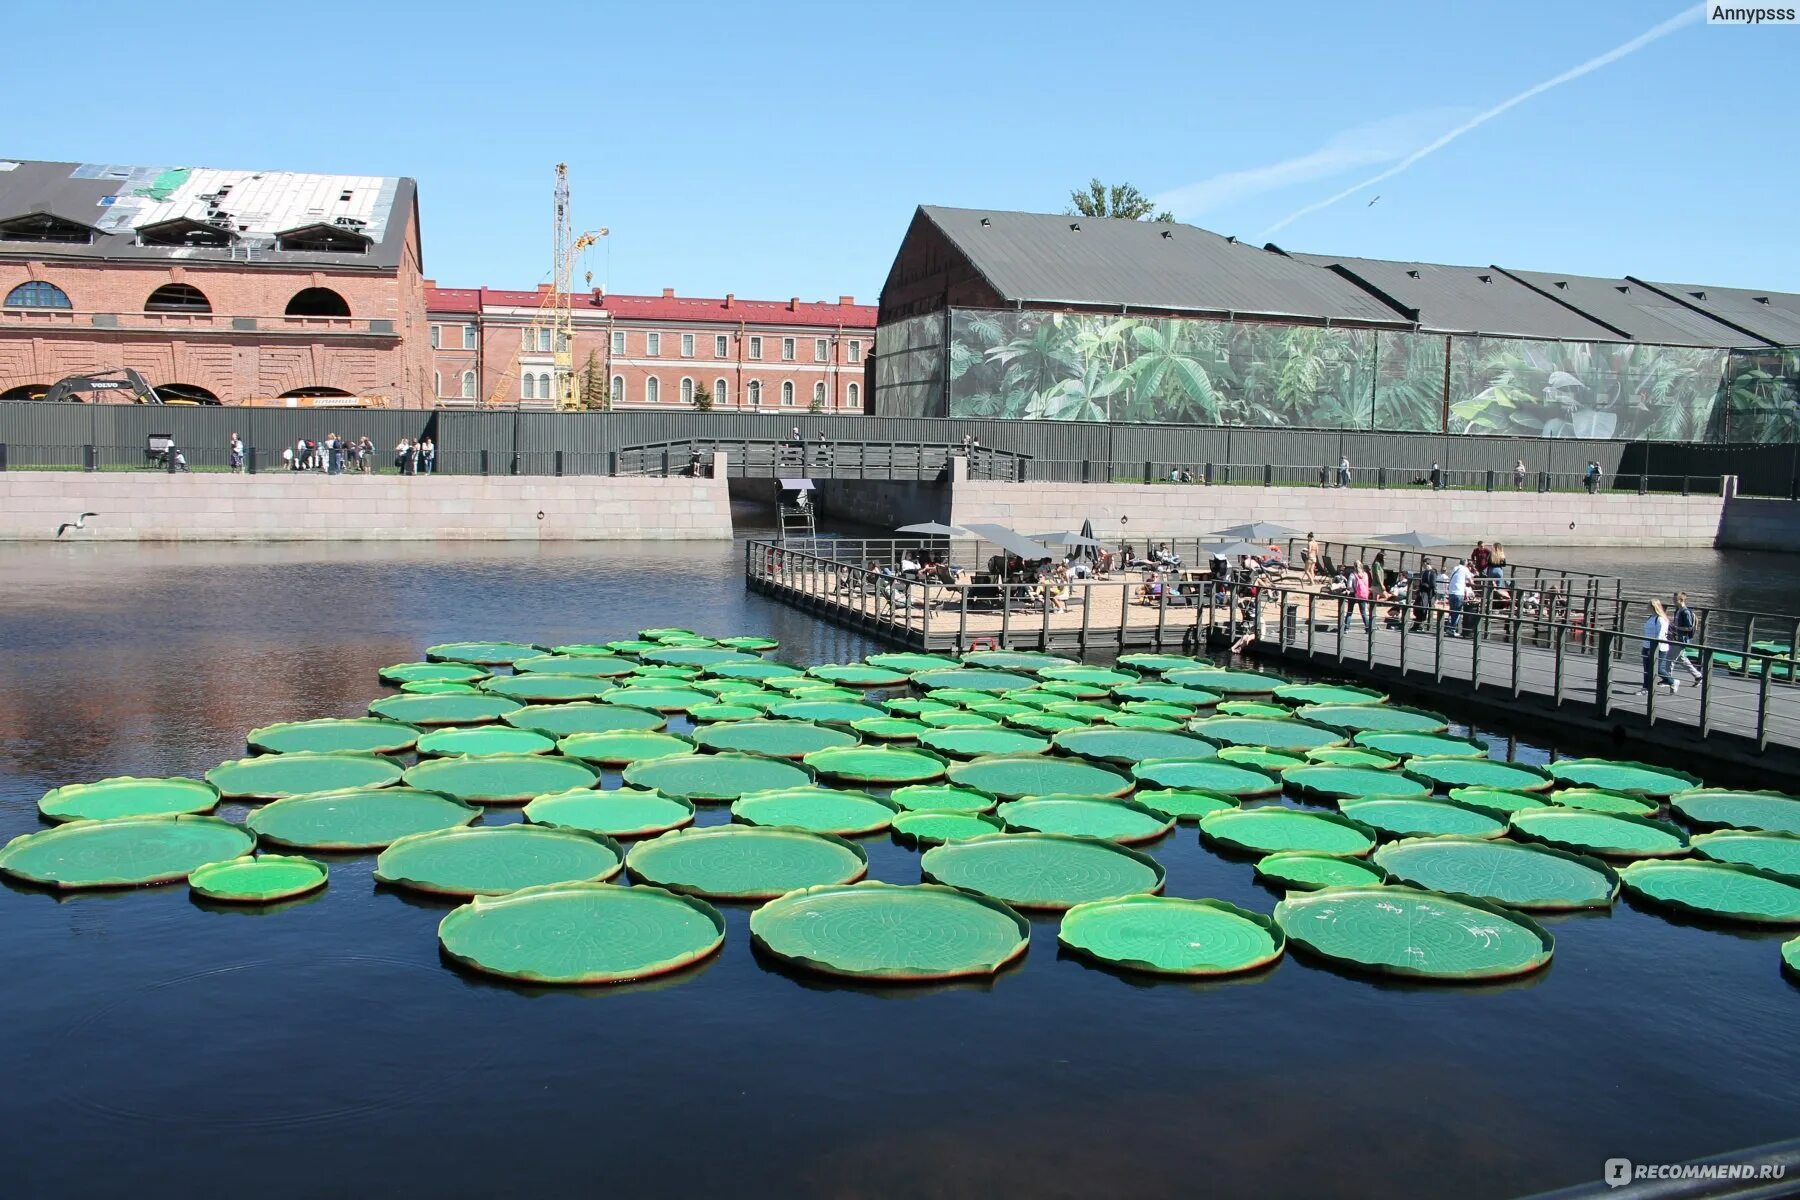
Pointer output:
855, 350
687, 345
755, 347
721, 346
653, 345
436, 334
543, 341
821, 348
787, 349
618, 341
469, 336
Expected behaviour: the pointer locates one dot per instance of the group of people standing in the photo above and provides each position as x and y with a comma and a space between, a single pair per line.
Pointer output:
334, 455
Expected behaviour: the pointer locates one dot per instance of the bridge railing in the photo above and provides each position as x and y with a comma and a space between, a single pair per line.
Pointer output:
1328, 475
776, 458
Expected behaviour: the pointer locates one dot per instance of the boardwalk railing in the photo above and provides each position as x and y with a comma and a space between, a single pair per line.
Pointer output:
1326, 475
773, 458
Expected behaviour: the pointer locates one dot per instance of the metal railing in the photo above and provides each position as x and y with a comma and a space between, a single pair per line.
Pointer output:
1326, 475
751, 458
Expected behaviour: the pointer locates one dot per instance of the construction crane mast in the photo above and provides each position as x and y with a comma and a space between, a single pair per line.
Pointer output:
551, 333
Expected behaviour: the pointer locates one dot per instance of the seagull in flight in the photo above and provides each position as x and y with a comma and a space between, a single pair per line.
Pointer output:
78, 523
1371, 204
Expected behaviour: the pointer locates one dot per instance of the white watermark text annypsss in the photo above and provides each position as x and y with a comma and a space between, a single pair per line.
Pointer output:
1726, 14
1621, 1171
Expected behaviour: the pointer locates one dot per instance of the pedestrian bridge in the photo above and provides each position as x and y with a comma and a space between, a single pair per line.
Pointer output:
751, 458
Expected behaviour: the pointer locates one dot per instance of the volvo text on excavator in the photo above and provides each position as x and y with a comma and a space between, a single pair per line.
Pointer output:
122, 380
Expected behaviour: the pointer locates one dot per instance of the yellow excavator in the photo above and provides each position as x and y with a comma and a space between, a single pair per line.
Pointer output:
124, 379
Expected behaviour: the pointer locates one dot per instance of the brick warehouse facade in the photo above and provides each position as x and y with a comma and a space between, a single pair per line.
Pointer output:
654, 352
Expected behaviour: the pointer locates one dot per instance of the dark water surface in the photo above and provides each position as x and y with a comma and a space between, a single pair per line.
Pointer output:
162, 1047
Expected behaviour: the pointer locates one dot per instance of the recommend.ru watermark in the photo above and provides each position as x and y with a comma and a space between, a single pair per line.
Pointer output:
1621, 1171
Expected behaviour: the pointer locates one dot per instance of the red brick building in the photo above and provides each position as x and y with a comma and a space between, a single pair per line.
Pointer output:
654, 351
218, 286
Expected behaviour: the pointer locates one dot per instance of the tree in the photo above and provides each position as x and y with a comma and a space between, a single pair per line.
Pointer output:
593, 384
816, 406
1121, 200
703, 399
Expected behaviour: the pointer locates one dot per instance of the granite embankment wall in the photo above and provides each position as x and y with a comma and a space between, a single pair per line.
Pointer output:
1756, 524
144, 506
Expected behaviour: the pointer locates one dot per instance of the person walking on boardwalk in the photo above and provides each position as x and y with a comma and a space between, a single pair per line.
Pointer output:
1682, 628
1655, 649
1459, 596
1359, 597
1343, 470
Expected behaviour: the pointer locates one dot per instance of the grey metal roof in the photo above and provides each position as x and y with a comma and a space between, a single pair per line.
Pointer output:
117, 200
1639, 311
1772, 316
1037, 258
1467, 299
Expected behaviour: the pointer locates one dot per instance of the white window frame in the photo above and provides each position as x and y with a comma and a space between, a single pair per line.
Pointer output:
687, 345
618, 389
437, 383
853, 397
437, 336
821, 350
787, 349
653, 345
618, 341
819, 391
721, 346
787, 393
543, 340
687, 389
468, 385
652, 390
756, 347
527, 386
471, 337
753, 391
720, 388
855, 350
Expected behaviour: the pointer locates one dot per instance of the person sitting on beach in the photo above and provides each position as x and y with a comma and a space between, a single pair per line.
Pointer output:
1151, 590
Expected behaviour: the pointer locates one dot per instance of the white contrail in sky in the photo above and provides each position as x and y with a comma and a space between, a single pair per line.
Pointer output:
1687, 16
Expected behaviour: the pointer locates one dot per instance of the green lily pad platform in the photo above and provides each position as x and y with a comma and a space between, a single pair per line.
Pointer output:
858, 675
548, 689
1272, 828
1360, 718
1451, 772
655, 698
890, 729
482, 740
836, 712
1166, 935
261, 880
491, 861
1327, 693
1616, 776
1158, 662
724, 712
271, 776
1517, 875
1352, 756
448, 708
123, 852
878, 764
1013, 776
942, 796
1098, 676
588, 666
910, 663
1183, 804
1327, 784
582, 933
1208, 775
1042, 870
1044, 722
1121, 821
716, 778
1397, 930
974, 743
501, 778
1309, 870
758, 670
431, 672
745, 862
1495, 800
816, 810
1424, 817
482, 654
1214, 679
934, 827
1261, 709
1016, 660
1721, 808
971, 679
1610, 835
1272, 733
1723, 891
440, 687
697, 656
616, 747
1434, 745
959, 718
890, 932
1131, 745
1776, 853
362, 735
1599, 800
128, 796
621, 813
1167, 693
1272, 761
560, 720
357, 818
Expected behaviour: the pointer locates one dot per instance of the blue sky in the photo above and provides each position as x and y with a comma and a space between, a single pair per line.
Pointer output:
778, 149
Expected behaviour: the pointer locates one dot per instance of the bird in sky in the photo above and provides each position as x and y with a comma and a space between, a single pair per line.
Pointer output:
1371, 204
78, 523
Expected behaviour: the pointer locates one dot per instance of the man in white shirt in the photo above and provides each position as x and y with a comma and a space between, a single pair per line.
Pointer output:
1459, 594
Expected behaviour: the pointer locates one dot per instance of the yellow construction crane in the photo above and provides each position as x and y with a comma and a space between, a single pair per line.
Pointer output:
551, 333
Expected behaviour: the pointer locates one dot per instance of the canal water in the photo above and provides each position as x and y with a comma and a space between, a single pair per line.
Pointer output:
167, 1047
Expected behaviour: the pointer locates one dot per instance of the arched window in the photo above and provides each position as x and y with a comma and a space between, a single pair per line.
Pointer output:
527, 386
618, 389
186, 393
25, 391
819, 393
468, 385
652, 390
787, 391
177, 298
36, 293
755, 390
437, 383
687, 390
853, 396
317, 302
719, 391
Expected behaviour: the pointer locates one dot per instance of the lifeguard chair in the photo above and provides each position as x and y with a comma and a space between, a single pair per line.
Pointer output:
796, 510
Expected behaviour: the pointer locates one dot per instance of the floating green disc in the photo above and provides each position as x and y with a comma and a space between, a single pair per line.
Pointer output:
502, 778
973, 743
1158, 708
749, 641
1042, 870
820, 690
999, 709
910, 663
1045, 722
912, 706
1776, 853
357, 818
726, 688
1012, 776
1144, 721
716, 777
724, 712
1087, 710
958, 718
616, 747
1720, 808
1183, 805
1216, 679
1327, 784
1327, 693
444, 709
625, 812
431, 672
1208, 775
890, 729
1352, 756
1531, 878
588, 666
1433, 745
1596, 800
1124, 821
1272, 761
1790, 958
1272, 828
128, 796
548, 689
758, 670
659, 676
482, 654
1031, 697
560, 720
656, 699
663, 633
1424, 817
1283, 733
836, 712
858, 675
697, 656
582, 933
1359, 718
1168, 693
745, 862
439, 687
1479, 772
261, 880
271, 776
1131, 745
584, 650
1165, 935
934, 827
1016, 660
123, 852
1611, 835
1395, 930
1726, 891
816, 810
497, 859
1158, 662
362, 735
942, 796
1099, 676
884, 931
1496, 801
1251, 708
775, 738
1309, 870
970, 680
481, 740
878, 764
1622, 776
629, 646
